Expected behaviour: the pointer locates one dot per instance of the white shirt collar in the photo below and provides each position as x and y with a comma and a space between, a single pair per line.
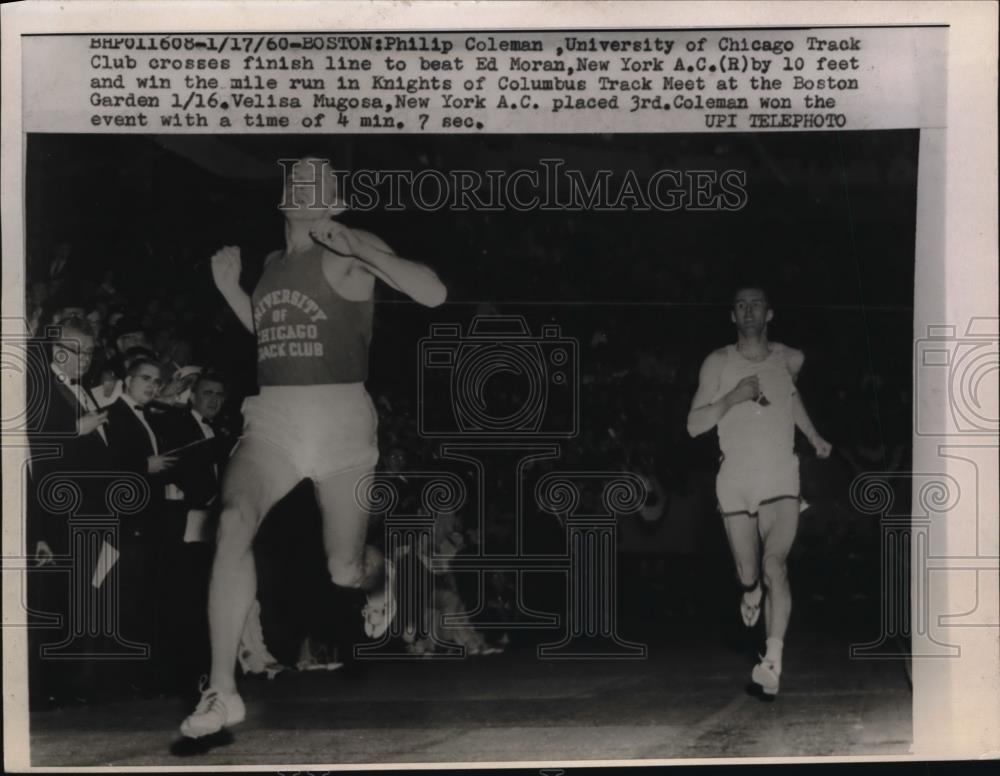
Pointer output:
142, 419
83, 397
203, 424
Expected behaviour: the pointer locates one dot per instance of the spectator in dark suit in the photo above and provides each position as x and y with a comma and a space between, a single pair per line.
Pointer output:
134, 445
135, 448
187, 539
70, 435
68, 439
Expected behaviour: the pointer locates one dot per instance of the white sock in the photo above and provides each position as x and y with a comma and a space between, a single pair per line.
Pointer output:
773, 653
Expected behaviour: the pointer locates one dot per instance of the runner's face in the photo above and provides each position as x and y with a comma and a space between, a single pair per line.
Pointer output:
751, 313
310, 189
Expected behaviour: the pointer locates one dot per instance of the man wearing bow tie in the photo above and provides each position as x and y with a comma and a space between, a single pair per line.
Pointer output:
136, 448
201, 449
68, 441
134, 445
188, 535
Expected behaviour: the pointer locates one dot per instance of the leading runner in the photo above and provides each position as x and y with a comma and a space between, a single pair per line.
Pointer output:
748, 391
312, 316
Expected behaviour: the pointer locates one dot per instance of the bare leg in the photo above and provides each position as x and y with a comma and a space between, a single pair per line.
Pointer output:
257, 477
351, 562
345, 525
741, 530
779, 522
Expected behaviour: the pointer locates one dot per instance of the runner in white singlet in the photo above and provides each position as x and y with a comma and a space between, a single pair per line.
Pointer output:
748, 392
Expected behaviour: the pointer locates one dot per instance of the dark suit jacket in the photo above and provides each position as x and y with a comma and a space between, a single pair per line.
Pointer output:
130, 447
198, 470
57, 450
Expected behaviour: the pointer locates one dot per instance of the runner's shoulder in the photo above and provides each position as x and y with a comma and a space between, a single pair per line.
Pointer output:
718, 356
794, 358
716, 360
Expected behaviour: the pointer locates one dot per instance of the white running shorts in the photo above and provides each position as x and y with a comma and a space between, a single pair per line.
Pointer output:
320, 429
745, 482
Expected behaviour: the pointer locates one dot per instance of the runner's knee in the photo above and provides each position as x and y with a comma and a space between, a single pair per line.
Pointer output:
344, 573
366, 570
237, 526
775, 571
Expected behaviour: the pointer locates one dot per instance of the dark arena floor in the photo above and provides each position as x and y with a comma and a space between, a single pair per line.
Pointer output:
688, 698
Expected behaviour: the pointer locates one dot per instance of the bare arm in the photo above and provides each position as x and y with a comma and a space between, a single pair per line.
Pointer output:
804, 424
417, 281
802, 420
226, 267
239, 302
705, 413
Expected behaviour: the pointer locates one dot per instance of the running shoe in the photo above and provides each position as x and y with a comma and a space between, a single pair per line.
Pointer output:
767, 675
214, 711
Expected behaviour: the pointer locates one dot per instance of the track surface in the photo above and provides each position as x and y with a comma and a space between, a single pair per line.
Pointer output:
685, 700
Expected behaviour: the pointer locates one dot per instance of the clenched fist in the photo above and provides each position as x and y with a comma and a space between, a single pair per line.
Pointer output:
226, 268
747, 389
823, 448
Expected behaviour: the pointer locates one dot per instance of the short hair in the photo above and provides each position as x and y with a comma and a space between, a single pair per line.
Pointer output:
762, 287
137, 353
313, 156
312, 152
209, 377
74, 323
133, 368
